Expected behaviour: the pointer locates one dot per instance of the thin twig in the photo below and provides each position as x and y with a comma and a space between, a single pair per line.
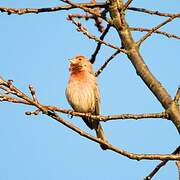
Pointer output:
98, 24
79, 16
93, 56
33, 92
177, 96
21, 11
110, 117
3, 88
97, 14
169, 35
98, 21
106, 63
156, 28
94, 14
34, 112
90, 36
159, 166
88, 16
152, 12
178, 167
13, 100
126, 5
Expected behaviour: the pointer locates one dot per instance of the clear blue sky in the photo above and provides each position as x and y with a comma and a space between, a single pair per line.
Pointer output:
34, 50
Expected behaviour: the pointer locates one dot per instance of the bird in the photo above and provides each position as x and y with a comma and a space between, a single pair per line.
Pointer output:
83, 95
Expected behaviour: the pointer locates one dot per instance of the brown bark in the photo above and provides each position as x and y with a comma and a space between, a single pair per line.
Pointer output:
118, 19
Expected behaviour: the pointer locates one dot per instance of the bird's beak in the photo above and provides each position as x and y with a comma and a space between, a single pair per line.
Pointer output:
72, 60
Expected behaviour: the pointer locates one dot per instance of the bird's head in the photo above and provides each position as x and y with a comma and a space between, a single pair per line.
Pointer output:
80, 63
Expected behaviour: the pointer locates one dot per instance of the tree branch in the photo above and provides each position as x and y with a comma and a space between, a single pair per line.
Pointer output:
111, 147
13, 100
151, 12
90, 36
24, 99
126, 5
178, 167
177, 96
169, 35
159, 166
162, 115
20, 11
106, 63
156, 28
138, 62
93, 56
80, 6
52, 114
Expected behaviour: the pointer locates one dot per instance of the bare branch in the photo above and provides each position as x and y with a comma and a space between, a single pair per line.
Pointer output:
90, 36
163, 115
33, 92
79, 16
13, 100
34, 112
87, 16
159, 166
98, 21
134, 55
156, 28
111, 147
75, 5
177, 96
21, 11
169, 35
98, 24
178, 167
3, 88
126, 5
93, 56
106, 63
152, 12
45, 110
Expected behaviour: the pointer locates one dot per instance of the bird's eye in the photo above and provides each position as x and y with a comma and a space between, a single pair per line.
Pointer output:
80, 59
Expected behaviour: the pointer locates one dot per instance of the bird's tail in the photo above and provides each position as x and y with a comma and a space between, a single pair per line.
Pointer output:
94, 124
100, 134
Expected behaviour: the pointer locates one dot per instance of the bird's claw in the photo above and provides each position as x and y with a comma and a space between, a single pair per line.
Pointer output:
70, 114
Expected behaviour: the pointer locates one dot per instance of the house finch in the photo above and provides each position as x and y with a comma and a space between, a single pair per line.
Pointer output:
83, 94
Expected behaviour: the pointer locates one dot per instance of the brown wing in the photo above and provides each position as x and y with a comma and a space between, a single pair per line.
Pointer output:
91, 123
97, 100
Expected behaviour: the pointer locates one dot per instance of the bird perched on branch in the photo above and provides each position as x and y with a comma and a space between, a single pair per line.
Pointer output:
83, 94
